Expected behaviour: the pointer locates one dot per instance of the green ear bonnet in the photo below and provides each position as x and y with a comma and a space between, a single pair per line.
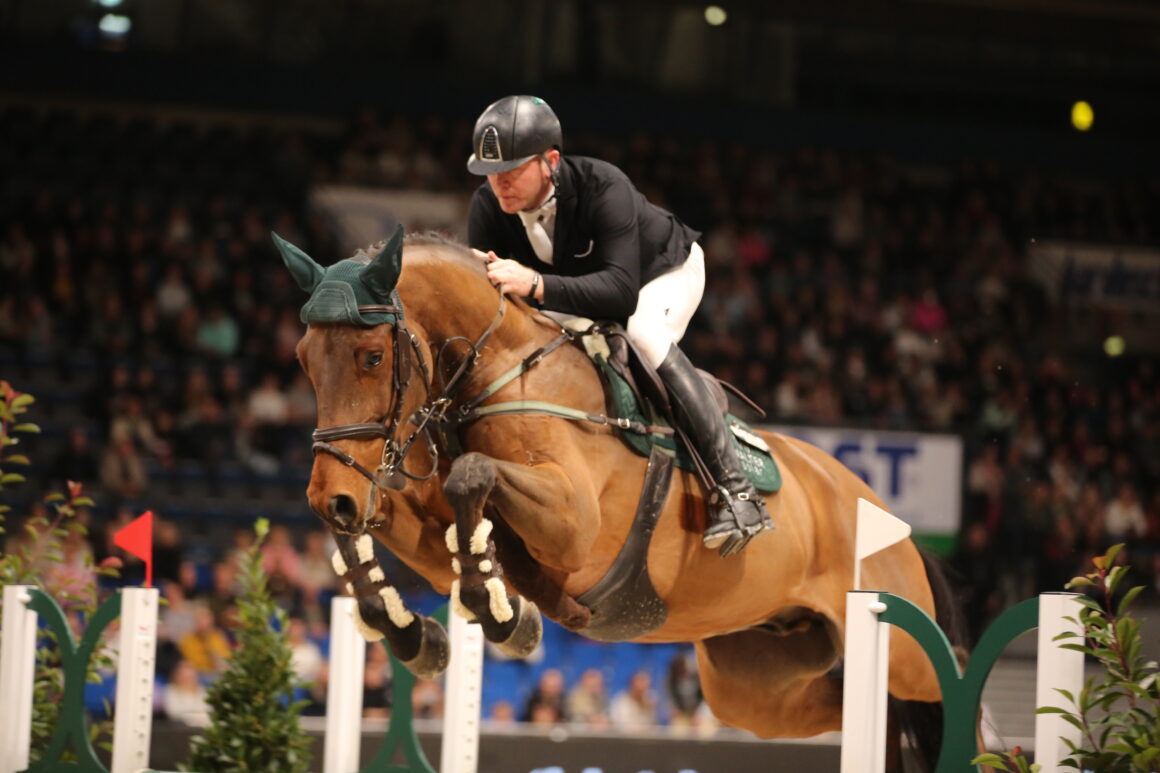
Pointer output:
337, 292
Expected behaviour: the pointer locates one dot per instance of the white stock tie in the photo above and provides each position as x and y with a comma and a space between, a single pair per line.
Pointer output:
537, 233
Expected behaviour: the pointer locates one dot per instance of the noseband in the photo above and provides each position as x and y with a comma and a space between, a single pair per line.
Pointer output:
390, 472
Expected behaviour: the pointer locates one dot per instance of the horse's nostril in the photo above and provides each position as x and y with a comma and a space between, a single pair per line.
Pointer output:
343, 510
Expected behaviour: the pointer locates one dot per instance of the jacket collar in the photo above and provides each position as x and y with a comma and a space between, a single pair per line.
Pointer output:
566, 202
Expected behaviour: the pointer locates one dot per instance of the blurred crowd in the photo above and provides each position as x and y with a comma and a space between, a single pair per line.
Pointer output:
141, 291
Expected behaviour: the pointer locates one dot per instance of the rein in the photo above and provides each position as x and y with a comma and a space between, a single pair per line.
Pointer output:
390, 472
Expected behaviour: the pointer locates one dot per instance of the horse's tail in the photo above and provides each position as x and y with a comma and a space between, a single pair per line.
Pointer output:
920, 722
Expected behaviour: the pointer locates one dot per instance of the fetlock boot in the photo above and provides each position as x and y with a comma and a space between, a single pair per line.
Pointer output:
737, 511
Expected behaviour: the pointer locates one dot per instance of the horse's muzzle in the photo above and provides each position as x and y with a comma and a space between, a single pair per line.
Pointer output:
342, 511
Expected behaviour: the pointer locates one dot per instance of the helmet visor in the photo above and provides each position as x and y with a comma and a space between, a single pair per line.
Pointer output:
483, 166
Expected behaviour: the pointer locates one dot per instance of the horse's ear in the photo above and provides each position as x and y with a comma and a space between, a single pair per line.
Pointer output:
382, 273
306, 272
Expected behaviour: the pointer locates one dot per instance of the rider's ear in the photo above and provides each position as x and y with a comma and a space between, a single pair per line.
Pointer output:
382, 273
306, 272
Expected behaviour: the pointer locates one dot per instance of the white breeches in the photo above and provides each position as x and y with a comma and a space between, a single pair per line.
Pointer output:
665, 306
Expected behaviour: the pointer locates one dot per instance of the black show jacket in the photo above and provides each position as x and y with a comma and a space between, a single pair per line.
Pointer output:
609, 241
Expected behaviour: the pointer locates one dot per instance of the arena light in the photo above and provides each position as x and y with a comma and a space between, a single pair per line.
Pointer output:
1114, 346
115, 25
109, 3
1082, 116
715, 15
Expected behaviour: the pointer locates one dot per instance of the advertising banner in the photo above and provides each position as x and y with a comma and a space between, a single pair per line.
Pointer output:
917, 475
1098, 275
366, 215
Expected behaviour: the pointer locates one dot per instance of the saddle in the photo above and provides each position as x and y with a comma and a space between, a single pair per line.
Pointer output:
634, 392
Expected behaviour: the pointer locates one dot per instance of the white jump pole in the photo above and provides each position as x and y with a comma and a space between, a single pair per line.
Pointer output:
136, 666
1056, 668
17, 667
462, 703
867, 655
865, 672
344, 691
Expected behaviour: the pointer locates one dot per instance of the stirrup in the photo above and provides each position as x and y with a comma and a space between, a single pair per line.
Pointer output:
728, 534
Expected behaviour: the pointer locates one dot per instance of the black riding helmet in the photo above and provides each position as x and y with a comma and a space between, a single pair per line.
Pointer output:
511, 131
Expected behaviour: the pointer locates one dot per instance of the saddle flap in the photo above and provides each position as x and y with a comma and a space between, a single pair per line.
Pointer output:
635, 390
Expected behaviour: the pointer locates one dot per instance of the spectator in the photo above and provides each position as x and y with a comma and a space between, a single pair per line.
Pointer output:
184, 699
588, 701
635, 707
377, 682
546, 703
684, 688
282, 565
316, 576
76, 462
173, 295
178, 616
268, 410
130, 420
1124, 517
503, 714
217, 333
122, 470
427, 699
206, 647
305, 656
168, 552
71, 576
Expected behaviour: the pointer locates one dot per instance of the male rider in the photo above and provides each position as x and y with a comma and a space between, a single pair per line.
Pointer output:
578, 238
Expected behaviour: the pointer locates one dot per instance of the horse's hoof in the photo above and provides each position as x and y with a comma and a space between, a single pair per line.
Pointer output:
434, 651
527, 634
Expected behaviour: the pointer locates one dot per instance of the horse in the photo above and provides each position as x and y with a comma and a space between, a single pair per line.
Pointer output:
518, 514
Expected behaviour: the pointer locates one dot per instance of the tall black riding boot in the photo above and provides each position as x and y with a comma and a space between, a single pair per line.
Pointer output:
737, 511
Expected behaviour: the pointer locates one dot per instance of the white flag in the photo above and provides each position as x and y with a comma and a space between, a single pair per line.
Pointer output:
876, 530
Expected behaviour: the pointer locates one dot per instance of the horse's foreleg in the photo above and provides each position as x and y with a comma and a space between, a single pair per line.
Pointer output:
420, 643
511, 622
557, 517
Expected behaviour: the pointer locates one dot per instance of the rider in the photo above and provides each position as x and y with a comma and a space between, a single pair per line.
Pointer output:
578, 238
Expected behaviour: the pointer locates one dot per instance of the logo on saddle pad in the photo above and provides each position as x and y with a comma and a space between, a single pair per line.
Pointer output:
359, 290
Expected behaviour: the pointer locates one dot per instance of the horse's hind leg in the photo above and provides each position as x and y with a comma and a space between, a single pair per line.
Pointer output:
420, 643
772, 684
511, 622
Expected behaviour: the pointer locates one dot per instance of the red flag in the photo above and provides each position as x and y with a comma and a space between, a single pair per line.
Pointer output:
136, 539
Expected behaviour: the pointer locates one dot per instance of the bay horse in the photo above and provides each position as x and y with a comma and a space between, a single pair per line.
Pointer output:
518, 513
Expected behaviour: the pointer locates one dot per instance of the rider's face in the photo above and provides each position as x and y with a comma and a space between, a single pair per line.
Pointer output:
525, 186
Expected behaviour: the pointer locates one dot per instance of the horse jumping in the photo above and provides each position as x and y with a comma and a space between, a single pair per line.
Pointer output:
515, 514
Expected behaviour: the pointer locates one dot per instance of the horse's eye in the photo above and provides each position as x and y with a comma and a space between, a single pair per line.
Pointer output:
373, 360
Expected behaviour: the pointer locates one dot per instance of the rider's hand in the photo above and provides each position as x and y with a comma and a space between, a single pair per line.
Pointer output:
516, 278
486, 257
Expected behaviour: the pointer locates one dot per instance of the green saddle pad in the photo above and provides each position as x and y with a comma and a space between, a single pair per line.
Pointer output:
756, 459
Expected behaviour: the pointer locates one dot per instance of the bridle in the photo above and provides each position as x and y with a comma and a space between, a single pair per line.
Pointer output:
390, 473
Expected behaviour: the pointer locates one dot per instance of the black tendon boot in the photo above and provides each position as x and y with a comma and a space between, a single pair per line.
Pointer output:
737, 512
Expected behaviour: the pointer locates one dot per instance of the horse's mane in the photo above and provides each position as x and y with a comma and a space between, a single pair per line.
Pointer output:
446, 247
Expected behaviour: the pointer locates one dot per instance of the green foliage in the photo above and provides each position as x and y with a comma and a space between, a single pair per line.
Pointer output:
42, 543
1116, 712
1012, 761
253, 718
